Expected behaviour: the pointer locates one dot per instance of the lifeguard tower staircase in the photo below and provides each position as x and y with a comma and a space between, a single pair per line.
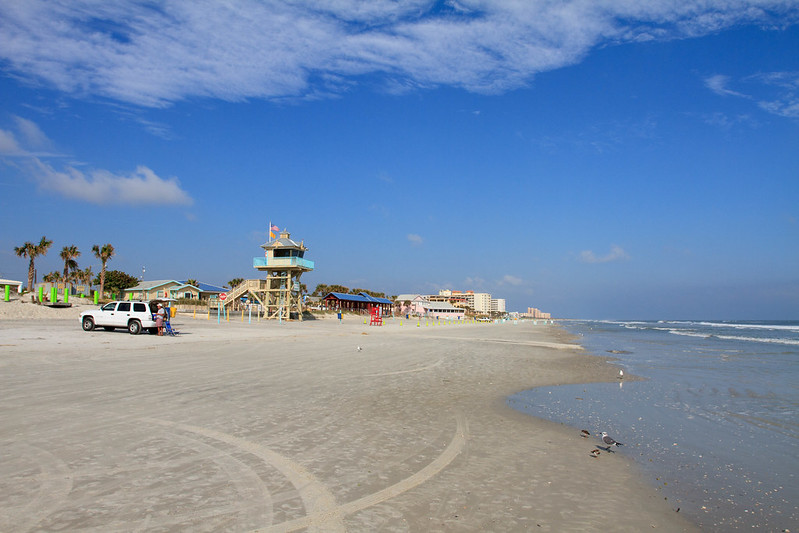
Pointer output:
279, 294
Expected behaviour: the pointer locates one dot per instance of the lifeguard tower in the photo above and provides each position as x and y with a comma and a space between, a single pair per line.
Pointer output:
279, 294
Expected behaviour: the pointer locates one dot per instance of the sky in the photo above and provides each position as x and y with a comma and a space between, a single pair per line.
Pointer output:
611, 159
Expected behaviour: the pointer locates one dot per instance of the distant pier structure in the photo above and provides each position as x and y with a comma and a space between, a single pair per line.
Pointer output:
279, 293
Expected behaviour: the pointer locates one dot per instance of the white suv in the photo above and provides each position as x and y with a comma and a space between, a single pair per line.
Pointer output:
131, 315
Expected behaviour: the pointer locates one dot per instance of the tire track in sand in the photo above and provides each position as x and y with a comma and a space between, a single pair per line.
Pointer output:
454, 448
317, 499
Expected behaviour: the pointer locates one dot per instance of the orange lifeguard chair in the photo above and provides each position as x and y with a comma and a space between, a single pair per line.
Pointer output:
375, 317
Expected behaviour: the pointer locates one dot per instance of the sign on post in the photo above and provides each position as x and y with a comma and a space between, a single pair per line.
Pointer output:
222, 296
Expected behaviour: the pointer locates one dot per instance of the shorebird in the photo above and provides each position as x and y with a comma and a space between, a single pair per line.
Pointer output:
609, 442
584, 433
359, 348
621, 374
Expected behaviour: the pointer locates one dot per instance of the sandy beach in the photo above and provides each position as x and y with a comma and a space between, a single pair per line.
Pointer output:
312, 426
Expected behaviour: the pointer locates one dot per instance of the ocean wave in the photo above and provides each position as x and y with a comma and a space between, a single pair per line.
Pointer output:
776, 327
770, 340
732, 325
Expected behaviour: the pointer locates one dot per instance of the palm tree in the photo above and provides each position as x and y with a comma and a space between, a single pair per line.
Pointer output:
68, 254
191, 281
234, 282
32, 251
85, 276
52, 277
104, 254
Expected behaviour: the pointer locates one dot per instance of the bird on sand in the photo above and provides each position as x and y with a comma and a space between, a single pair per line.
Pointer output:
621, 374
584, 433
594, 453
608, 441
359, 348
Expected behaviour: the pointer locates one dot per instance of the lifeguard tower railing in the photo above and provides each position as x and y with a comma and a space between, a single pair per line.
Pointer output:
277, 262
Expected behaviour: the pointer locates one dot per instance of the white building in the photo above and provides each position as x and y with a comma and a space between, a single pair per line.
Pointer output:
479, 302
497, 305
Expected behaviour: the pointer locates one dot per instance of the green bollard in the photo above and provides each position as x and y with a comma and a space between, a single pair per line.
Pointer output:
41, 294
8, 293
53, 294
66, 295
96, 297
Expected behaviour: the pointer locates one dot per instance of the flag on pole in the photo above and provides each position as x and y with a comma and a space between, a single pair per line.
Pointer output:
272, 229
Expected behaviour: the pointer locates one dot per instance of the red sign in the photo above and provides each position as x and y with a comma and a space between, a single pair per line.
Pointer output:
222, 296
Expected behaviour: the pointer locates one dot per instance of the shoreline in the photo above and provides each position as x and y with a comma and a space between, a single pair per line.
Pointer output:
410, 433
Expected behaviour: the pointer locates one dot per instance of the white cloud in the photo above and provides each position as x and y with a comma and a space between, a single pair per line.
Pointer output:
616, 254
9, 144
141, 187
415, 239
154, 54
507, 279
34, 137
102, 187
718, 84
777, 92
785, 101
28, 140
473, 282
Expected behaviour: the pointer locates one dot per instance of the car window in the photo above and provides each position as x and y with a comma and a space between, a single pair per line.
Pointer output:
124, 306
109, 307
139, 308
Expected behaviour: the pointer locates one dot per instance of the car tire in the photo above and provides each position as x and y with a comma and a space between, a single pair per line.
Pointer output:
87, 323
134, 327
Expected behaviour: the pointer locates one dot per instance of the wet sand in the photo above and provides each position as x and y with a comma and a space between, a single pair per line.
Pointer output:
268, 427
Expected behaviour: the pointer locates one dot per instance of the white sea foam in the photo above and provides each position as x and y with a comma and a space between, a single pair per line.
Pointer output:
692, 333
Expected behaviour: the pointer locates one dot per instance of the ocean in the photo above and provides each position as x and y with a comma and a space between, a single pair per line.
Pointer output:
714, 424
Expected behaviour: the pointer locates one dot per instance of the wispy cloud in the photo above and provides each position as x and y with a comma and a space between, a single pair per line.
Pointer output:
473, 282
141, 187
155, 54
785, 102
25, 140
32, 134
415, 239
775, 92
507, 279
616, 253
9, 145
102, 187
719, 84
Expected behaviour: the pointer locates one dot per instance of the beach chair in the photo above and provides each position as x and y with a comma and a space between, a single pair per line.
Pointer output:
168, 330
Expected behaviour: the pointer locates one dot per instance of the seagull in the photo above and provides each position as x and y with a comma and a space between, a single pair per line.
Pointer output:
609, 442
584, 433
359, 348
621, 374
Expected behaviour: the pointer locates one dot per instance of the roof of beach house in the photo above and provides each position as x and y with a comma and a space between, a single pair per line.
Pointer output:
207, 287
362, 297
408, 297
148, 285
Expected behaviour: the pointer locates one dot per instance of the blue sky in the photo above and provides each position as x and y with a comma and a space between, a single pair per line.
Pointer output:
593, 159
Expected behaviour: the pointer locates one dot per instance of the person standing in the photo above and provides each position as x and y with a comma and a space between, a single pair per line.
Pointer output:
160, 316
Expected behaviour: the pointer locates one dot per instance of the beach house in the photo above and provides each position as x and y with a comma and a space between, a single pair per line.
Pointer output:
162, 288
357, 302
